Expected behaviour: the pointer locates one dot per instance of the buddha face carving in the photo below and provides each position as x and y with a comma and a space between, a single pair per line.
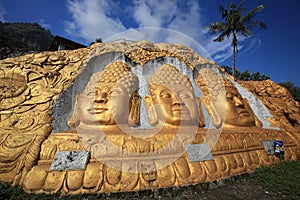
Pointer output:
223, 101
109, 97
105, 105
172, 99
238, 111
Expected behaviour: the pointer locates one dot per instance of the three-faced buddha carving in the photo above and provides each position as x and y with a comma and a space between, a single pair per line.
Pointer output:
109, 98
171, 100
223, 101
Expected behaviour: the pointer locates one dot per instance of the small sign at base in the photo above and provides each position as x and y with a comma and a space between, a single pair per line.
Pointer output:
274, 147
278, 147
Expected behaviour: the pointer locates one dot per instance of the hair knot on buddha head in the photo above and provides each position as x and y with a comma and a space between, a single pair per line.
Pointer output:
110, 97
223, 101
168, 74
172, 99
115, 73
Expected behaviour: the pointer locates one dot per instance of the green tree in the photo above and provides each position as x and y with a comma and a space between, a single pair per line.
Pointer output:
236, 24
98, 40
246, 75
293, 89
27, 36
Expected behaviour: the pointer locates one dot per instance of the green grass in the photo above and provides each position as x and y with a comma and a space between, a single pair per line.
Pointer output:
282, 179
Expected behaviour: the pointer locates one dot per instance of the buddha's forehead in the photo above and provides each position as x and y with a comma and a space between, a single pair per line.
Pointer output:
232, 90
174, 88
100, 87
106, 86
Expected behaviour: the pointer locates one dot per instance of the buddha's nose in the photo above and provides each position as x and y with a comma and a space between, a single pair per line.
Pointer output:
177, 101
238, 102
101, 97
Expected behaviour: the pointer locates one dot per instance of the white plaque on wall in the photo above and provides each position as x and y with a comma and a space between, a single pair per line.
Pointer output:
198, 152
70, 160
269, 146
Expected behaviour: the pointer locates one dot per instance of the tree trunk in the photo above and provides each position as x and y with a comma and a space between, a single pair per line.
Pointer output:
233, 62
234, 50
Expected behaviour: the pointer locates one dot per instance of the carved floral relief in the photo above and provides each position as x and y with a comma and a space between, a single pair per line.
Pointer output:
123, 157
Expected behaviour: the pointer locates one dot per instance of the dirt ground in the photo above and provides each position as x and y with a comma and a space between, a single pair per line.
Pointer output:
243, 187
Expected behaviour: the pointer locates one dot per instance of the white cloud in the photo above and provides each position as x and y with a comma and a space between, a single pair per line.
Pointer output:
152, 34
219, 51
189, 22
97, 18
44, 24
2, 13
154, 13
176, 15
91, 20
254, 44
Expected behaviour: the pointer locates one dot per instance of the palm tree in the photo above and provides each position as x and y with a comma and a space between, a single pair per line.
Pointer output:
236, 24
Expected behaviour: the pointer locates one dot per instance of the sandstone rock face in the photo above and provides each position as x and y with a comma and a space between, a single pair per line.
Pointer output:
43, 110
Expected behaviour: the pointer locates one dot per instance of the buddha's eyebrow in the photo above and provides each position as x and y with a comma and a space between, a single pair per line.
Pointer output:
102, 88
184, 91
164, 90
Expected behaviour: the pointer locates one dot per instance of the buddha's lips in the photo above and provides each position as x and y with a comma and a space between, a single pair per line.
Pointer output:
97, 110
180, 110
243, 112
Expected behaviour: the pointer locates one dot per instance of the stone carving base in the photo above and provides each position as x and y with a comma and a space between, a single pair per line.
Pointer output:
236, 152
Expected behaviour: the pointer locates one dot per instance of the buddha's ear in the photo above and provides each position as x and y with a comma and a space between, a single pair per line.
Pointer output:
71, 123
134, 112
214, 115
74, 120
216, 119
201, 117
258, 123
151, 110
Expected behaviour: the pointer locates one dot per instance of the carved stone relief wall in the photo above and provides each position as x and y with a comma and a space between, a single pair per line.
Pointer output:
134, 106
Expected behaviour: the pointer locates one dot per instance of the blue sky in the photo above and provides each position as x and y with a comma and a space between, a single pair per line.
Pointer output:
272, 52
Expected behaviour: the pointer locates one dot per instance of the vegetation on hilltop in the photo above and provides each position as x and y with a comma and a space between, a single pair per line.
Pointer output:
245, 75
293, 89
19, 38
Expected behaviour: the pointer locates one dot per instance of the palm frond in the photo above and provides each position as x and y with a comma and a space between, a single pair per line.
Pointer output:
262, 25
232, 6
223, 12
251, 14
241, 8
242, 3
217, 27
221, 37
245, 32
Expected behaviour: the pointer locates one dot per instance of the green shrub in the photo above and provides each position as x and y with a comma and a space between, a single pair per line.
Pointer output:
284, 178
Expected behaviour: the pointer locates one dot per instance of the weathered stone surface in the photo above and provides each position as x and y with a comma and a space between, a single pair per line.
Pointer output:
198, 152
70, 160
269, 146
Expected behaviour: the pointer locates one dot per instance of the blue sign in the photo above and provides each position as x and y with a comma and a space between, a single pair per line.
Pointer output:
278, 147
